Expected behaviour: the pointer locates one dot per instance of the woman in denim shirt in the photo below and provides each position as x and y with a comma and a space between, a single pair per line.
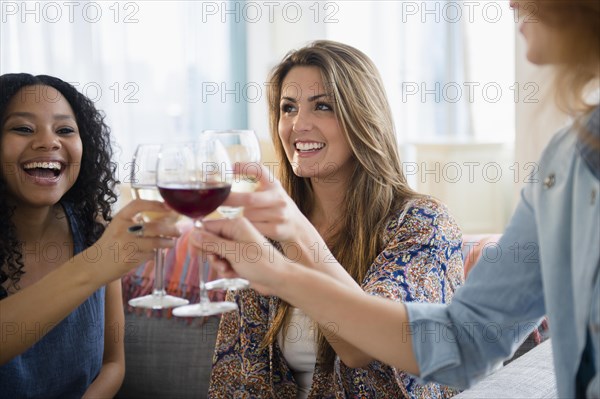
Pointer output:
556, 227
61, 315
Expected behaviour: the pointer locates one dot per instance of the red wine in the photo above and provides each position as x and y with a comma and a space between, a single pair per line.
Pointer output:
195, 200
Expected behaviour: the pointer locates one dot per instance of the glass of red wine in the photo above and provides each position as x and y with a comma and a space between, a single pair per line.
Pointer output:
192, 178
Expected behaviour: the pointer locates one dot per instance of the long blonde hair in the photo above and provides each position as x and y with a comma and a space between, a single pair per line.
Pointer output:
377, 187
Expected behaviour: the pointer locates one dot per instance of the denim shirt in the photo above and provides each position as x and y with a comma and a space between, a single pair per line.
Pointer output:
69, 357
546, 263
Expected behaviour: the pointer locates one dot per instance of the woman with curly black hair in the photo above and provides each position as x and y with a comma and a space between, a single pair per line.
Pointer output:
61, 313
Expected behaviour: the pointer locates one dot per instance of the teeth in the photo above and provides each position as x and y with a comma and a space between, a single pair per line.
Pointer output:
309, 146
42, 165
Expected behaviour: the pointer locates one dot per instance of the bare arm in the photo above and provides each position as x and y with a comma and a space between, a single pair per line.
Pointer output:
379, 327
108, 382
42, 305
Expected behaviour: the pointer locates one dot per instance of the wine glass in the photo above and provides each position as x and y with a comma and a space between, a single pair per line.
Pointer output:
143, 186
193, 180
242, 147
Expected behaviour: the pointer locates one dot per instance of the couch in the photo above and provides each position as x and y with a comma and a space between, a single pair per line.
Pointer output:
167, 356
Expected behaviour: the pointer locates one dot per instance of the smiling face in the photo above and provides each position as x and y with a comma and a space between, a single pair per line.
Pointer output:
40, 146
308, 127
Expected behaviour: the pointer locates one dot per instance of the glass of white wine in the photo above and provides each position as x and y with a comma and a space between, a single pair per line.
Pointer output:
143, 186
243, 147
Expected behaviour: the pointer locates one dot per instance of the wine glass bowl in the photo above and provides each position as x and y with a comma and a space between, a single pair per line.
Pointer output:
143, 186
193, 179
242, 147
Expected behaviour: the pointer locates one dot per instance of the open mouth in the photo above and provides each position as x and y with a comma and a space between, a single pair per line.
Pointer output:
43, 170
305, 147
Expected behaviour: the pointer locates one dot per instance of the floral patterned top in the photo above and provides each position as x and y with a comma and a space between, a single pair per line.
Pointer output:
421, 262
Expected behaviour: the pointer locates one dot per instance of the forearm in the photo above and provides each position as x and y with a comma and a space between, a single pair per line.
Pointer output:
349, 354
43, 305
108, 382
377, 326
309, 249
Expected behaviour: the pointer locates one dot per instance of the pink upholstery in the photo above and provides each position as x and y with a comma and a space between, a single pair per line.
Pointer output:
474, 245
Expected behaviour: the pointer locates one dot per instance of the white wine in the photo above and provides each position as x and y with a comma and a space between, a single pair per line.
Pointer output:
151, 193
239, 185
243, 185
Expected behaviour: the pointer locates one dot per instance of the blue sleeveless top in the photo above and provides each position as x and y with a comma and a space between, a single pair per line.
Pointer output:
69, 357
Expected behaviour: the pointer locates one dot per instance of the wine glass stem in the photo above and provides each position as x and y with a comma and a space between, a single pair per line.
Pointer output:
159, 272
204, 268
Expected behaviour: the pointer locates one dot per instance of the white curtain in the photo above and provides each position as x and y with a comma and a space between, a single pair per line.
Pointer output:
159, 69
448, 65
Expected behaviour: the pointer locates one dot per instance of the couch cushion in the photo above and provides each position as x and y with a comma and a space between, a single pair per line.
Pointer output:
530, 376
167, 357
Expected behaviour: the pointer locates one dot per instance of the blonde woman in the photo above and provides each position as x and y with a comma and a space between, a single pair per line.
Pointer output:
350, 214
558, 216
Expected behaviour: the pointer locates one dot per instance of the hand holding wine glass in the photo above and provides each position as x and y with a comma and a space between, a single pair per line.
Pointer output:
243, 148
193, 180
143, 185
275, 215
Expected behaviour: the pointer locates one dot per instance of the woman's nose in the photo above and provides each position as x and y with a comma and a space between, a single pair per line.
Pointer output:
45, 139
303, 121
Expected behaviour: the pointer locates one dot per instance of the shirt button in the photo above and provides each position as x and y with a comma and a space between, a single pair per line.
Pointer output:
549, 181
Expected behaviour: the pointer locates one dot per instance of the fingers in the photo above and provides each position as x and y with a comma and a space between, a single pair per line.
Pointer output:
222, 266
137, 206
262, 199
158, 229
234, 239
268, 187
238, 229
149, 236
125, 241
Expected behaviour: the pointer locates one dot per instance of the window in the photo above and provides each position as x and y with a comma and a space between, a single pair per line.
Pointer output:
158, 69
448, 65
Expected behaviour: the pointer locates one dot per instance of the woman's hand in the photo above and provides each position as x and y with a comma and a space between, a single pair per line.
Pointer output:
269, 208
236, 249
275, 215
119, 249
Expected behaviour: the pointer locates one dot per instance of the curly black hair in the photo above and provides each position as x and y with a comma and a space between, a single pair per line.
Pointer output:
93, 192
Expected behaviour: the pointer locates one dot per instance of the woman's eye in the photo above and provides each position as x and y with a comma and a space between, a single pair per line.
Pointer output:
65, 130
22, 129
323, 107
287, 108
